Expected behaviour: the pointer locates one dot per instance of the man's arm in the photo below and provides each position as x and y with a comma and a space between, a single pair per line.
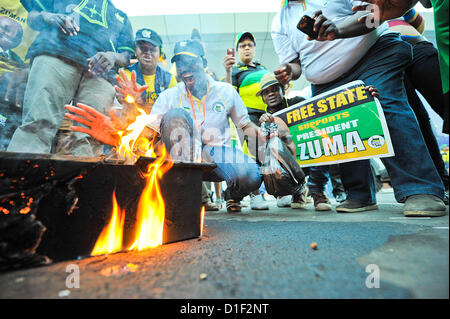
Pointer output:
382, 10
228, 62
283, 131
288, 71
366, 19
102, 62
43, 20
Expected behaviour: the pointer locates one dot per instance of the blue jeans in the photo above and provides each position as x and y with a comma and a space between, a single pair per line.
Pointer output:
411, 170
318, 178
239, 171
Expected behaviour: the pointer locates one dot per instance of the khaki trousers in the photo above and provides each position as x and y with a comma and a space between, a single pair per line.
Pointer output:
53, 83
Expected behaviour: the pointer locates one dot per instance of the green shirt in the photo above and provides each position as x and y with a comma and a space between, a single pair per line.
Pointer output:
440, 8
246, 80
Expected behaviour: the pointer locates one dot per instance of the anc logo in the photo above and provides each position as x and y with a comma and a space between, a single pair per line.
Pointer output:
146, 34
218, 107
91, 13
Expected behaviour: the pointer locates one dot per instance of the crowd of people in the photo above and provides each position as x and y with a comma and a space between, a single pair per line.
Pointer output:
79, 62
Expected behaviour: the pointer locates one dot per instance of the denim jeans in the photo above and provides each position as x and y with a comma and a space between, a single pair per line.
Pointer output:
239, 171
411, 169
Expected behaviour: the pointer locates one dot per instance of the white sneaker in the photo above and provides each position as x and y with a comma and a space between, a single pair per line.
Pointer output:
284, 201
258, 203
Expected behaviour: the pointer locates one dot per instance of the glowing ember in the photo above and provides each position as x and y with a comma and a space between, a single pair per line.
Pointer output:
129, 99
110, 239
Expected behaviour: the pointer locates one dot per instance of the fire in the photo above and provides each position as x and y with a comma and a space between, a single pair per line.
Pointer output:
110, 239
129, 99
151, 208
131, 141
202, 219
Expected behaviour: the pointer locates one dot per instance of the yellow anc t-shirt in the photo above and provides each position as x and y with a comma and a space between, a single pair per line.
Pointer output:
150, 81
16, 13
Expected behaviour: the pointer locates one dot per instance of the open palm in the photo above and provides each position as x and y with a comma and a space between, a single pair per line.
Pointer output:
98, 125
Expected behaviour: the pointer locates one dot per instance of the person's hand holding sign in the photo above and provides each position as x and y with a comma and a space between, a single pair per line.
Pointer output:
99, 126
372, 91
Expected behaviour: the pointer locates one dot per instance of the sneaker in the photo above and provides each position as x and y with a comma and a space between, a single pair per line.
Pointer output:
298, 201
350, 206
211, 207
219, 202
284, 201
233, 206
321, 202
340, 197
424, 205
258, 203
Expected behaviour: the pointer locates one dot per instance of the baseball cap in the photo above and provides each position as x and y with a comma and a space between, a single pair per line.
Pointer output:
244, 35
150, 36
195, 35
267, 80
188, 47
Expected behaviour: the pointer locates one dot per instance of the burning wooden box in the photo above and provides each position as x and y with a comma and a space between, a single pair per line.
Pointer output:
73, 199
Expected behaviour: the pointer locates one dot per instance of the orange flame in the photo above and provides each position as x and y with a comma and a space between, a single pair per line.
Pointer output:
151, 208
202, 219
131, 140
110, 239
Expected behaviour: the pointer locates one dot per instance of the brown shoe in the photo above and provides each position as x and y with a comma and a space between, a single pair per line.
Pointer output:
233, 206
321, 202
424, 205
351, 206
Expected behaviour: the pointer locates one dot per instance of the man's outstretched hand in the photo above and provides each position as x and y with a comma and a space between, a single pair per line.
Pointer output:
99, 126
129, 87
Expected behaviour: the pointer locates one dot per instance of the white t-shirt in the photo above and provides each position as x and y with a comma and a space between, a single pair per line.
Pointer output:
222, 102
322, 62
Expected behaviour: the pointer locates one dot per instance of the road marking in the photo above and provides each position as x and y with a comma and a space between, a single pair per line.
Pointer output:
441, 227
410, 218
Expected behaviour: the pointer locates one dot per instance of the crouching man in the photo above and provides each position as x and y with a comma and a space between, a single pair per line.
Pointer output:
193, 114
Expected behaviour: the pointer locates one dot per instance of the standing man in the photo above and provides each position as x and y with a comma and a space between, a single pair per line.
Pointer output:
245, 76
379, 58
390, 9
78, 44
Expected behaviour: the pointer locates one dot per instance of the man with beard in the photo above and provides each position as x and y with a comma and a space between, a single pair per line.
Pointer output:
191, 115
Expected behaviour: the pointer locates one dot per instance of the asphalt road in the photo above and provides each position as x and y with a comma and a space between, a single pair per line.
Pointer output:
266, 254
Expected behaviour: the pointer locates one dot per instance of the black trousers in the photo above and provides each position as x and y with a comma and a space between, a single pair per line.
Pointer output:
423, 75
